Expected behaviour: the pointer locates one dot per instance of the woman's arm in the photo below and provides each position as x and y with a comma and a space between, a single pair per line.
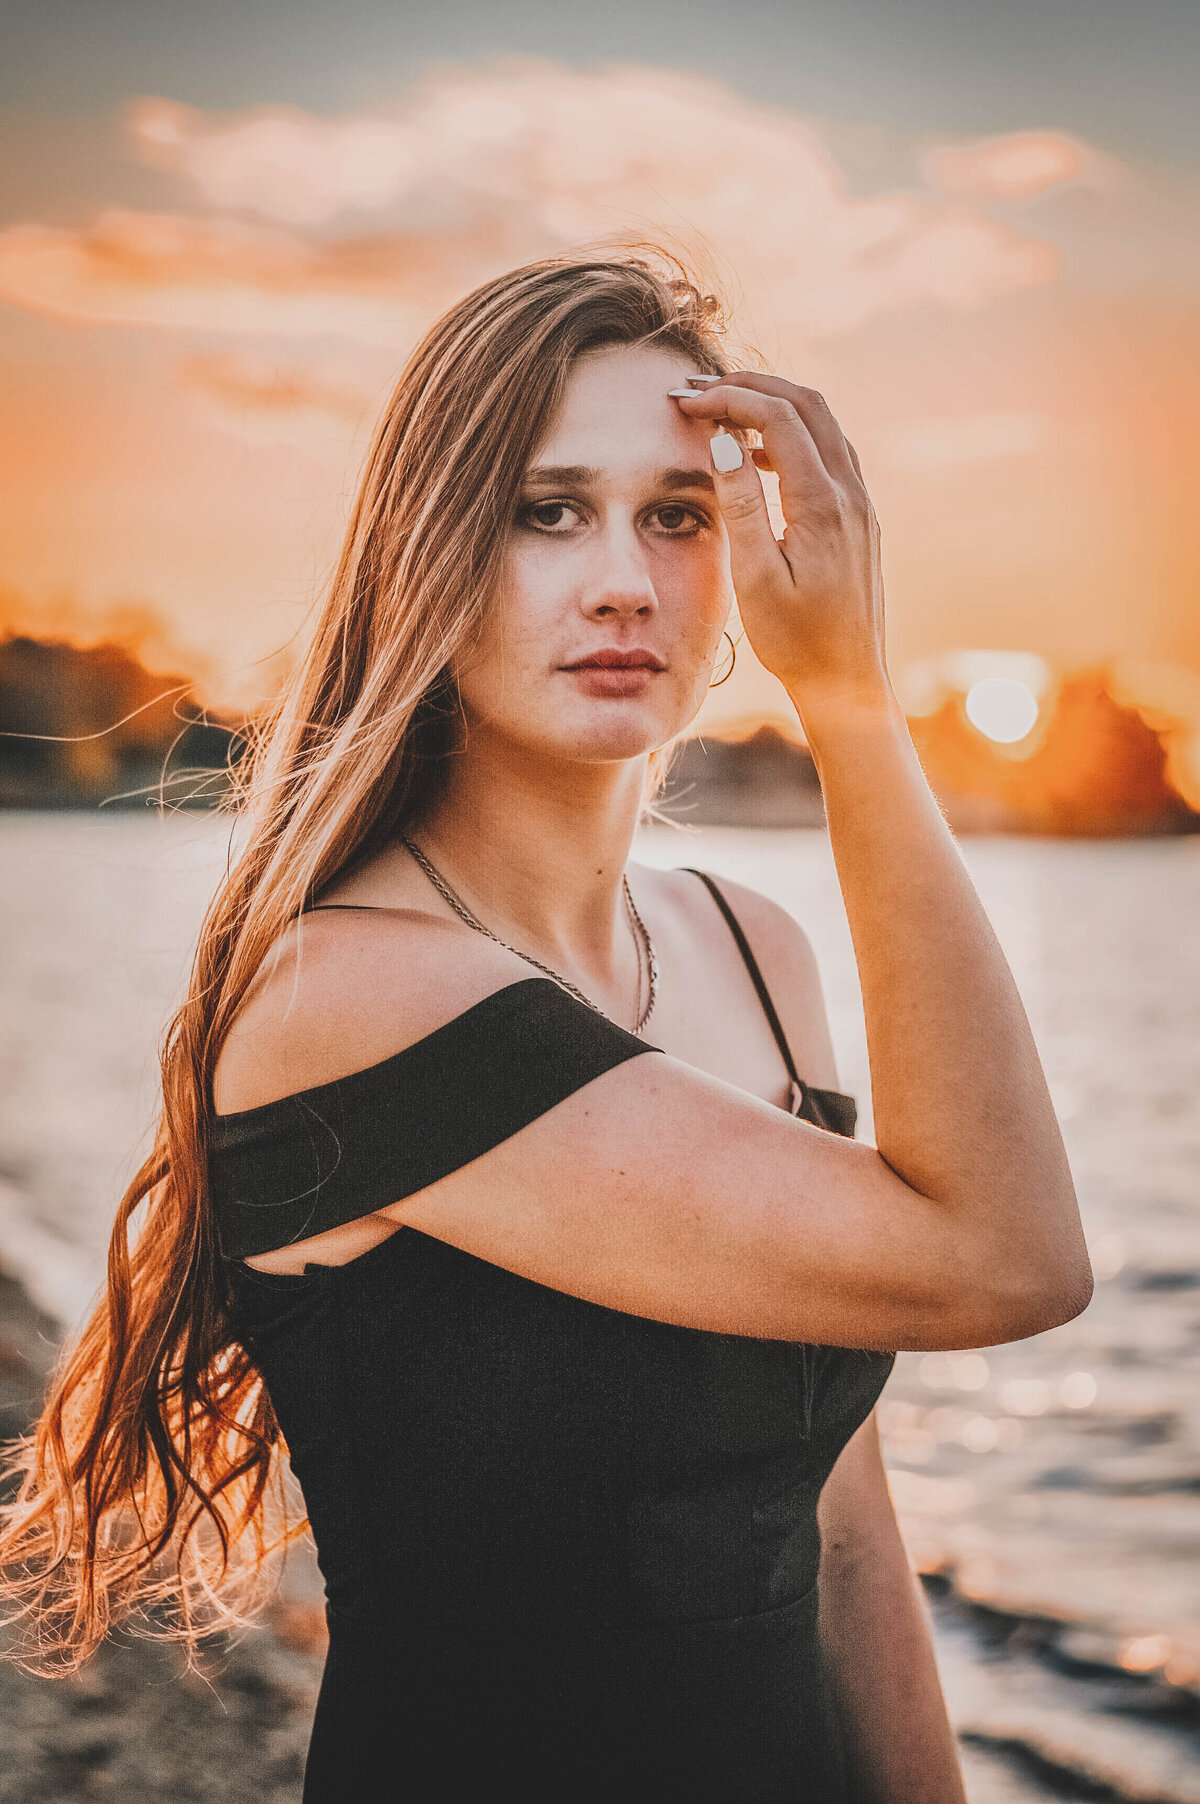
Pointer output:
962, 1111
960, 1101
875, 1635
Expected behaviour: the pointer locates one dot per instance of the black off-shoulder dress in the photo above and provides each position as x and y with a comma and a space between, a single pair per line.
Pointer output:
569, 1553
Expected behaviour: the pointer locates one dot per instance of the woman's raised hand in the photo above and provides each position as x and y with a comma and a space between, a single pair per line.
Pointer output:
811, 602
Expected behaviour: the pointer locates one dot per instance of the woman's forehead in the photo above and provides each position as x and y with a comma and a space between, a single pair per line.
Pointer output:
616, 411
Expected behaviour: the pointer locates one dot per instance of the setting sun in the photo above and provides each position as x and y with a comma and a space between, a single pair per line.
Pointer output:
1002, 709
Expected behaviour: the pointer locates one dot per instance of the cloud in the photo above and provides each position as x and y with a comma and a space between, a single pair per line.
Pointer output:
957, 441
485, 167
224, 275
279, 161
1017, 166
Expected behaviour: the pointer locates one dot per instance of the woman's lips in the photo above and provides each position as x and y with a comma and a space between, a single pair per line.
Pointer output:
613, 680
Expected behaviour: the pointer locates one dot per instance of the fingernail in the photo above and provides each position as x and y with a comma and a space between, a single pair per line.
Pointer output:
686, 394
726, 452
705, 378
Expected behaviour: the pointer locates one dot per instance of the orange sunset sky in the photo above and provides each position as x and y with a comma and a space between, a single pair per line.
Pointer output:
223, 230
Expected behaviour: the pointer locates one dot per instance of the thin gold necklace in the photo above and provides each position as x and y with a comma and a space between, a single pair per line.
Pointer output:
639, 928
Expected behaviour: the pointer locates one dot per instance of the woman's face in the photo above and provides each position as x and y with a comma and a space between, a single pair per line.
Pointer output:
617, 547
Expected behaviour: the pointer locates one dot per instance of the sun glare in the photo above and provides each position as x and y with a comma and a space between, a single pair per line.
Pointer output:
1002, 709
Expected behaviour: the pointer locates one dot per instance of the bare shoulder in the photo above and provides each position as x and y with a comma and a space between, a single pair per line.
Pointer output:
776, 937
781, 947
341, 991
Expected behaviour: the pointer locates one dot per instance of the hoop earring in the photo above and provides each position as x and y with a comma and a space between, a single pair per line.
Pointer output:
732, 662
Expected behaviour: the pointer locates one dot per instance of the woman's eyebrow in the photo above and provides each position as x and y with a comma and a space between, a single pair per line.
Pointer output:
584, 476
687, 479
579, 476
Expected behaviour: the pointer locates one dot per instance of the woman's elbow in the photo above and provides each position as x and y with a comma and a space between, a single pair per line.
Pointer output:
1063, 1298
989, 1294
1021, 1305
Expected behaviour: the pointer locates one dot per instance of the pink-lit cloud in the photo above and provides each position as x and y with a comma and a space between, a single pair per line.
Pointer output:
279, 161
224, 275
1013, 167
485, 167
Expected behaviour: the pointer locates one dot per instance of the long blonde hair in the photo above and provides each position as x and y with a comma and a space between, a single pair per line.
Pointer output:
154, 1485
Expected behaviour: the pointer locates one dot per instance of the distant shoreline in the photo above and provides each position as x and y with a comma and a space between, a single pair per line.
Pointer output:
91, 728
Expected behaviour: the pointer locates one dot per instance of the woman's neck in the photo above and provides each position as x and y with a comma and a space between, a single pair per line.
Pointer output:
538, 854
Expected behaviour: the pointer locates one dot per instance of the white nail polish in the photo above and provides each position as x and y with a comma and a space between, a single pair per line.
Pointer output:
686, 394
726, 452
706, 378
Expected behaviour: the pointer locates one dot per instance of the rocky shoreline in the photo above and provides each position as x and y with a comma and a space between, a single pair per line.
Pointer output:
1040, 1712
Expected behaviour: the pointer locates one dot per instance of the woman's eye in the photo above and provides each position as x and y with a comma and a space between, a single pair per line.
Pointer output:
548, 516
678, 521
673, 518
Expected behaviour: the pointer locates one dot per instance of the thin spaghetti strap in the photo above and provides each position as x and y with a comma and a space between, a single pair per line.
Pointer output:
370, 908
799, 1087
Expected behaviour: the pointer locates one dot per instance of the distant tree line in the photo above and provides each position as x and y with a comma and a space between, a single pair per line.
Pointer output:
84, 726
81, 727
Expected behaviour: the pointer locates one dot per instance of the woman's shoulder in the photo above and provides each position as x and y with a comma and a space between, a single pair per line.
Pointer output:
778, 940
779, 943
343, 990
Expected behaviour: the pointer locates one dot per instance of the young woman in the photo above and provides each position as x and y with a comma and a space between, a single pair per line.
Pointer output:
573, 1335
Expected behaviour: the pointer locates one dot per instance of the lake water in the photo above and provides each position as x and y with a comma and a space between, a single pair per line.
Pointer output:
1053, 1484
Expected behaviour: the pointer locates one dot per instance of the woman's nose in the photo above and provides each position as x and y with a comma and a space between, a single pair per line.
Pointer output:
620, 584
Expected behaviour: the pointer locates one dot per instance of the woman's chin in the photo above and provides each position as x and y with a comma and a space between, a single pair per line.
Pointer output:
618, 732
601, 732
610, 742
